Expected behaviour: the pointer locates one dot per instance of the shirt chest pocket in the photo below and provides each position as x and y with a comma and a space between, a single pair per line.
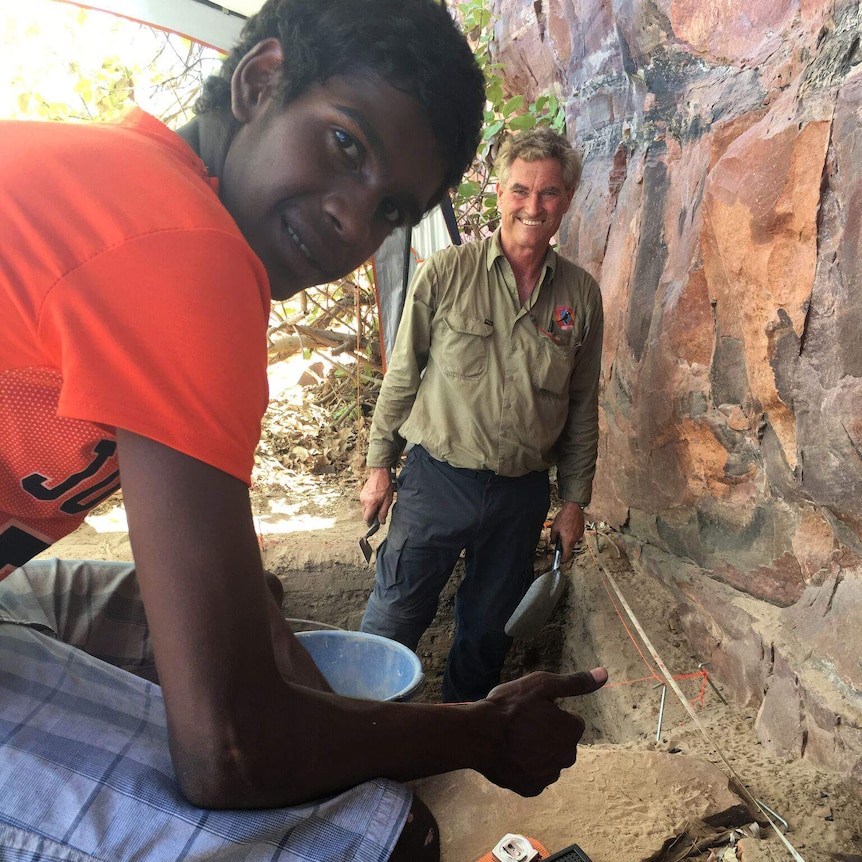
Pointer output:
553, 366
461, 346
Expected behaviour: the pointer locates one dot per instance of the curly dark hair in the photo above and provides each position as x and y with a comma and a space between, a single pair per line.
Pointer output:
414, 45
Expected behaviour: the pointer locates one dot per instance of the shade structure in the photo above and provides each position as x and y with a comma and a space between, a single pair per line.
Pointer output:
215, 25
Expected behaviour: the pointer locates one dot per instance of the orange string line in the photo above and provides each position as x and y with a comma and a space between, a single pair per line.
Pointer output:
699, 699
653, 675
700, 673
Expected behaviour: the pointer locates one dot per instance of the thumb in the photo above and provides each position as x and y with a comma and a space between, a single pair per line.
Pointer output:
574, 684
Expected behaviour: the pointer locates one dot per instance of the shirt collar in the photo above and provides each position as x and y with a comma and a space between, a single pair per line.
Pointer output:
146, 124
495, 250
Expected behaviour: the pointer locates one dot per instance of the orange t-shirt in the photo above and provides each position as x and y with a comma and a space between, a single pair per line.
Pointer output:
128, 299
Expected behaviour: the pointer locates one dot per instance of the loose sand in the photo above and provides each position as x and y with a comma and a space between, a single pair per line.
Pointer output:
630, 797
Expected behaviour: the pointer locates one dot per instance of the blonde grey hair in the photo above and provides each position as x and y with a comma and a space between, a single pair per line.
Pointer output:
534, 145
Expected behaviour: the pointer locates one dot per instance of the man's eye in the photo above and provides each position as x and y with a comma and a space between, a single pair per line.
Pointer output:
390, 212
348, 144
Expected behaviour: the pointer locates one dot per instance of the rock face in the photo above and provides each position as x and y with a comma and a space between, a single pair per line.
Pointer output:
720, 210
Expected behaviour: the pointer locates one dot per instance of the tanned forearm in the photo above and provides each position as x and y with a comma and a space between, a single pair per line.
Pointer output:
302, 744
322, 743
293, 661
240, 734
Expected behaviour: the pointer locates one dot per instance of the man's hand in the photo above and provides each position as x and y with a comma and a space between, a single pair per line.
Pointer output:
568, 525
376, 495
539, 739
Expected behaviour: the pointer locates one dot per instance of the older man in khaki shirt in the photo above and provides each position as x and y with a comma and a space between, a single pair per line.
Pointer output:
493, 379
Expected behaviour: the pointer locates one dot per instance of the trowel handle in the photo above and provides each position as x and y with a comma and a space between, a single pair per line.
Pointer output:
558, 552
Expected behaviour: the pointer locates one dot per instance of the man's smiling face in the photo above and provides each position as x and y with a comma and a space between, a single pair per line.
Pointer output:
532, 203
317, 185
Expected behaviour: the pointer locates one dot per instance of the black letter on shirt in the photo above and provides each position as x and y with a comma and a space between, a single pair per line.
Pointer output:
35, 483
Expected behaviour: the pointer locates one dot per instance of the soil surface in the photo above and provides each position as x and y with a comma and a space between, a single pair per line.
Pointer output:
327, 579
642, 790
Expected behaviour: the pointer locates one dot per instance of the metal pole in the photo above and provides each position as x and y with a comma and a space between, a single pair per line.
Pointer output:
660, 712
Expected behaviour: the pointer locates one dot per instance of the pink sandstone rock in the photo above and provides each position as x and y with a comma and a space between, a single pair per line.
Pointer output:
721, 211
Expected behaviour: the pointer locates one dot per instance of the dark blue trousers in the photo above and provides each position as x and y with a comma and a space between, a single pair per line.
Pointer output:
440, 511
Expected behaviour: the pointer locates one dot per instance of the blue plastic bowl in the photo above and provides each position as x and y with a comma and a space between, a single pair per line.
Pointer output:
357, 664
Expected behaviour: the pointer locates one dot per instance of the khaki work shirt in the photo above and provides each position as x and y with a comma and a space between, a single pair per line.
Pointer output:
507, 388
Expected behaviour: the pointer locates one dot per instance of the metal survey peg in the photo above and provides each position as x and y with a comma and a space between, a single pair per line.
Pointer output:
660, 710
785, 826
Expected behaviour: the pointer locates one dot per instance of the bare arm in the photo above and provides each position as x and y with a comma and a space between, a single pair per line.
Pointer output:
240, 734
293, 661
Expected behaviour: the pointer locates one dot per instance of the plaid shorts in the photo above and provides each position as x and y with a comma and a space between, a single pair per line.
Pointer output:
85, 771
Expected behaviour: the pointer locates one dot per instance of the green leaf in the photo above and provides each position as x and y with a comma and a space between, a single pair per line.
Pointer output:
514, 104
494, 93
525, 121
468, 189
492, 130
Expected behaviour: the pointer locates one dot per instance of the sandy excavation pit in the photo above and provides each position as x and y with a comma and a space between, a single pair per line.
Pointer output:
628, 797
338, 596
584, 632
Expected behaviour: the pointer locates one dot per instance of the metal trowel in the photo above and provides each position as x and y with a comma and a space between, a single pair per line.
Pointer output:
535, 609
364, 544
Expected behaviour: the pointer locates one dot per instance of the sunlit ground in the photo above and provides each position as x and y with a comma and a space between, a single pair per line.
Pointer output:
282, 516
292, 521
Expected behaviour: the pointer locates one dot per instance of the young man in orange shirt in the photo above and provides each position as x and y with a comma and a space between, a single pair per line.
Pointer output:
135, 280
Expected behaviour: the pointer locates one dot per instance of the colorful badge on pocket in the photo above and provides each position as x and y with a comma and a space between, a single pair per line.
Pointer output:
564, 317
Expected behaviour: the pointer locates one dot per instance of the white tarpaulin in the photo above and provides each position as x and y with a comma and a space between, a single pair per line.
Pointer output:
215, 25
430, 235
